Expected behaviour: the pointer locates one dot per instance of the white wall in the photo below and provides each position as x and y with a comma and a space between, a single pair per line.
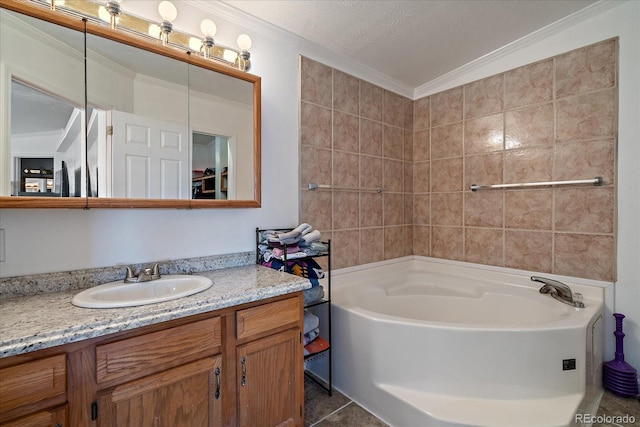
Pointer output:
71, 239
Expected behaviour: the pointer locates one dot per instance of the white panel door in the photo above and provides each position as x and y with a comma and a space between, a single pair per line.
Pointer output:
150, 158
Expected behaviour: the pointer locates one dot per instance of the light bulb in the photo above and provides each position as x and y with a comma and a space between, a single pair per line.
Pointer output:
154, 30
208, 28
195, 44
244, 42
168, 11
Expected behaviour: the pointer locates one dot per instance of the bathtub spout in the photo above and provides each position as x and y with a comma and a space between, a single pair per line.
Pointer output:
559, 291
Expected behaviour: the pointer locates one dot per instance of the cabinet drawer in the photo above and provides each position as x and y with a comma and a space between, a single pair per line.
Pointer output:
47, 418
139, 356
257, 320
33, 382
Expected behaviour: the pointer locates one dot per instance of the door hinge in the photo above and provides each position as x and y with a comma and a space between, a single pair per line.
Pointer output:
109, 130
300, 337
94, 411
301, 410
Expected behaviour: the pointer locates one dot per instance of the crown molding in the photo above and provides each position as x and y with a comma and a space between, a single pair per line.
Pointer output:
441, 83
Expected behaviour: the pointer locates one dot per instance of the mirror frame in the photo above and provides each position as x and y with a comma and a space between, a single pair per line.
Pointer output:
121, 36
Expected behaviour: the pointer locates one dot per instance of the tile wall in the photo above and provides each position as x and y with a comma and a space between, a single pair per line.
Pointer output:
356, 137
551, 120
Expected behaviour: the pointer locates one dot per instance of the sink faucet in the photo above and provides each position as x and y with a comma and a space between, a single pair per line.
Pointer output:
559, 291
146, 274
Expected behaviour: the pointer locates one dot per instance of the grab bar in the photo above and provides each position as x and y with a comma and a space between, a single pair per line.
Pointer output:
313, 186
595, 181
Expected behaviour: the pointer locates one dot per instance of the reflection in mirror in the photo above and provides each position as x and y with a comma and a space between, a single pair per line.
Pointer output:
221, 121
42, 84
138, 139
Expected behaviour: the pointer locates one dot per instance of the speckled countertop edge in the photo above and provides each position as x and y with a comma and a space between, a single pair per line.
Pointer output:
47, 320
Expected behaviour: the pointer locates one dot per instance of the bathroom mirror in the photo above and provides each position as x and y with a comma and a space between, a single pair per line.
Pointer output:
163, 128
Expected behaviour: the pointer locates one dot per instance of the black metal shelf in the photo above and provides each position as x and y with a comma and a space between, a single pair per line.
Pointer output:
325, 301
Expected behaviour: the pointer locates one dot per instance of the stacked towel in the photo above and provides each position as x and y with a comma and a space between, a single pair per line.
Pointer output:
311, 322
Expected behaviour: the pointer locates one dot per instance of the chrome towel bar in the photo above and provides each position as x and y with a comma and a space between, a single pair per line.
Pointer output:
313, 186
595, 181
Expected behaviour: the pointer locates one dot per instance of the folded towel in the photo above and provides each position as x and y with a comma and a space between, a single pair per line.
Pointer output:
315, 346
311, 322
313, 294
309, 238
310, 336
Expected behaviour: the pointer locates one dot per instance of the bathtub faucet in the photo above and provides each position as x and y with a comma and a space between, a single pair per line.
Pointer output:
559, 291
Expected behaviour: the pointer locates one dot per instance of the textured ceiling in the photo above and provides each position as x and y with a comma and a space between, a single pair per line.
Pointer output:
411, 42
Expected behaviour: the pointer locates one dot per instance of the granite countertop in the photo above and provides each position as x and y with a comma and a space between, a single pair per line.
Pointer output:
46, 320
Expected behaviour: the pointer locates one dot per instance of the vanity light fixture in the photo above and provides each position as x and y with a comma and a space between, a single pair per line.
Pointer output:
169, 13
208, 29
112, 7
244, 43
111, 11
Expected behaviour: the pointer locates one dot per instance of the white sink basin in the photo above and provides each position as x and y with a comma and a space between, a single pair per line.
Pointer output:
120, 294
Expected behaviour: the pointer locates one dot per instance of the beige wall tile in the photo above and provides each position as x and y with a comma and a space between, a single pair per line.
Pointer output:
370, 209
315, 165
407, 247
408, 145
392, 109
584, 255
421, 209
446, 107
370, 101
587, 116
408, 114
392, 142
371, 245
346, 210
346, 132
371, 172
422, 113
316, 208
408, 176
484, 245
530, 84
529, 127
484, 134
446, 141
589, 210
484, 96
446, 175
393, 175
370, 137
483, 209
346, 169
585, 159
393, 242
316, 82
408, 208
346, 93
446, 209
528, 165
345, 247
484, 169
392, 209
529, 209
447, 243
421, 177
315, 126
587, 69
421, 145
422, 240
529, 250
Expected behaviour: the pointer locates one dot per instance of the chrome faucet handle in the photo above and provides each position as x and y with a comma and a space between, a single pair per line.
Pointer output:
155, 271
129, 275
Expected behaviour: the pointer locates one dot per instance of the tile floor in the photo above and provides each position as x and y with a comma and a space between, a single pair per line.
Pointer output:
321, 410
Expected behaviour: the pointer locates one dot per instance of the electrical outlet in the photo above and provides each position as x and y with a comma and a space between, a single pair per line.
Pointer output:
2, 250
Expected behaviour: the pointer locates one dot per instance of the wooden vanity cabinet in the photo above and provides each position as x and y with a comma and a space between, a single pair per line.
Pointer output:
270, 369
34, 393
239, 366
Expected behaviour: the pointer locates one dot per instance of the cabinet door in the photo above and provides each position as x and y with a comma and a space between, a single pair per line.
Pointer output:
184, 396
270, 383
56, 417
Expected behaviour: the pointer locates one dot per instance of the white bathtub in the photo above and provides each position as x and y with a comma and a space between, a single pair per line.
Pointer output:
425, 342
